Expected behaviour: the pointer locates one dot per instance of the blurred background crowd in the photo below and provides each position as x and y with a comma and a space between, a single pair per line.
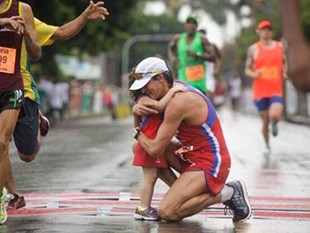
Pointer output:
88, 74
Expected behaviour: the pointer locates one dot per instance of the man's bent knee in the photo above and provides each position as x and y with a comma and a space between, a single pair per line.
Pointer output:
168, 215
275, 117
29, 157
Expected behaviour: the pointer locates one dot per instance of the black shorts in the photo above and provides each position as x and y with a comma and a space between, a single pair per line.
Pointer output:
26, 130
11, 100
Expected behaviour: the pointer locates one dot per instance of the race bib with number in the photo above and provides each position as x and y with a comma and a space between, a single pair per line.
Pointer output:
194, 73
7, 60
270, 72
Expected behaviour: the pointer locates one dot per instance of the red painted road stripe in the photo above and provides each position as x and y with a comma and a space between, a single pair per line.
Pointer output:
71, 195
125, 203
273, 198
96, 202
88, 203
155, 196
53, 211
155, 203
128, 212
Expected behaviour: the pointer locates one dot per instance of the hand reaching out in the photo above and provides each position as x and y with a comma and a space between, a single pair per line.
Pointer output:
96, 11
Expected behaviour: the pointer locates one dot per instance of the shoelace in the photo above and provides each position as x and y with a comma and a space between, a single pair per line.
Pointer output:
236, 203
228, 210
151, 211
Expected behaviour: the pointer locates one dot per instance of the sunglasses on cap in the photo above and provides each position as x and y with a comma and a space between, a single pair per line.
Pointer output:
138, 76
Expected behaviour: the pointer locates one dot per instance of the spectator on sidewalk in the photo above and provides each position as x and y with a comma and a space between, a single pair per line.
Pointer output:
234, 84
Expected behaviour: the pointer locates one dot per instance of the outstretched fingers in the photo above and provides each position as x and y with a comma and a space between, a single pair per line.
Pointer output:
96, 11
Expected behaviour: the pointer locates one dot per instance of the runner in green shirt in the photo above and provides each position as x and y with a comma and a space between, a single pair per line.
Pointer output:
188, 52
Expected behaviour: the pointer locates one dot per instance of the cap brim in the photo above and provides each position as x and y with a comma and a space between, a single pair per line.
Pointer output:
264, 24
138, 84
264, 27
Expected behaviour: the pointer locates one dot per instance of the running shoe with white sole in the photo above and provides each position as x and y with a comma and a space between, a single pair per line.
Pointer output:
149, 214
17, 202
267, 153
239, 203
3, 214
44, 125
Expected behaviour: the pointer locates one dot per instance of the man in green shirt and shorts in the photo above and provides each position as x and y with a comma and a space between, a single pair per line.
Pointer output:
188, 52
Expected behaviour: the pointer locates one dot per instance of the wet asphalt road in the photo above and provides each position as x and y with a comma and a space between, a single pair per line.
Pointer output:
94, 156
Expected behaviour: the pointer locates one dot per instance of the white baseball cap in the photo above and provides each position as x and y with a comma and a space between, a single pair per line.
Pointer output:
148, 68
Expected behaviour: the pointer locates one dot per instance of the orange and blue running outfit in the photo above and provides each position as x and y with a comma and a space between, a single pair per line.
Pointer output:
268, 88
206, 148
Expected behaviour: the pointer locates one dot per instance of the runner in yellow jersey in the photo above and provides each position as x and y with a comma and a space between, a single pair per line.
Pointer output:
31, 124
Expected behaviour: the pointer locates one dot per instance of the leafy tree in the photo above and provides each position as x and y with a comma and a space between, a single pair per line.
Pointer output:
96, 37
153, 25
305, 17
217, 9
262, 11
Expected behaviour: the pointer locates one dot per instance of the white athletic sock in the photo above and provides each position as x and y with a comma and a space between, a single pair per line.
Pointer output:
227, 193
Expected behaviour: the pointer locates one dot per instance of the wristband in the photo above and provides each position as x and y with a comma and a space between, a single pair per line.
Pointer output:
135, 132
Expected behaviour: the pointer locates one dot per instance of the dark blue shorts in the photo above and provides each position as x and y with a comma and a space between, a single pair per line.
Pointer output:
264, 104
26, 130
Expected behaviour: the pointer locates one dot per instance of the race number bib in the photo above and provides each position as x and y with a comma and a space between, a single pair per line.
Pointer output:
194, 73
270, 72
7, 60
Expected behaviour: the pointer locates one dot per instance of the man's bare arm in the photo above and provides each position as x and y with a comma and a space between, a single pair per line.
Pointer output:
218, 61
249, 63
209, 53
92, 12
136, 120
30, 37
173, 118
284, 71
